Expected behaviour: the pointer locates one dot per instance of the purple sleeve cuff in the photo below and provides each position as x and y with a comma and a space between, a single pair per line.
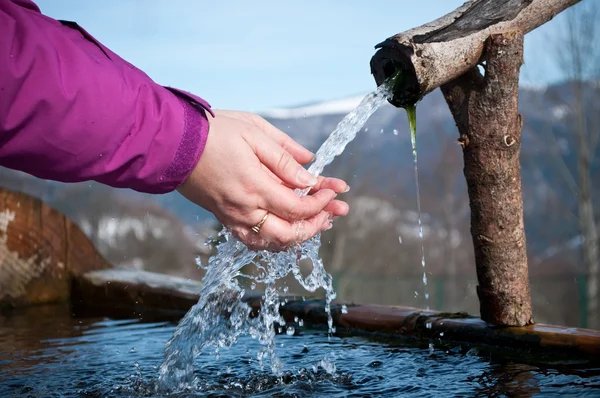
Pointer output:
191, 145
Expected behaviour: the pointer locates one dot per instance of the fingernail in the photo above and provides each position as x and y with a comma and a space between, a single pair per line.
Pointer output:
347, 188
329, 222
305, 178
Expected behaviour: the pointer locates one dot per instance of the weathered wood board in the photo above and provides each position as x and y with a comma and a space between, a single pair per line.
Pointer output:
40, 251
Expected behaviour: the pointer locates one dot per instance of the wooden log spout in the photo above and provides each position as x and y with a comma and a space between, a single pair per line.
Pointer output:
440, 51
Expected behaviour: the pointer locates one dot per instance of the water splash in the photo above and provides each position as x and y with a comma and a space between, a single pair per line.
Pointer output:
221, 316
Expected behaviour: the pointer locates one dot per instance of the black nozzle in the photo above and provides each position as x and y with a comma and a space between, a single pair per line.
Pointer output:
394, 60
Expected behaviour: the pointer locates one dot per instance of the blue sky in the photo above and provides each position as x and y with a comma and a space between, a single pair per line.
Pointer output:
256, 55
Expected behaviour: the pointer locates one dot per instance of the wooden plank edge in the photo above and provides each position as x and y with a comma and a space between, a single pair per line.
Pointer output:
151, 296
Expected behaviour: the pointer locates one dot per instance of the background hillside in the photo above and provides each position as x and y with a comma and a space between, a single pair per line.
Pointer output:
374, 253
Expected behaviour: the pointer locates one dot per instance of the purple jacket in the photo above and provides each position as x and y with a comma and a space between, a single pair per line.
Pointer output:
72, 110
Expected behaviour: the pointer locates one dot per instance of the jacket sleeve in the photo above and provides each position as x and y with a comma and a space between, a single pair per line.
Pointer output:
72, 110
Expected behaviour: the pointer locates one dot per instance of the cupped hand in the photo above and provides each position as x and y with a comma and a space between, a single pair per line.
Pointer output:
249, 169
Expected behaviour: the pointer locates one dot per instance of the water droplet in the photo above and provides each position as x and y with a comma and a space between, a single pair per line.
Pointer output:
301, 322
290, 331
253, 286
296, 319
366, 129
328, 365
381, 132
428, 325
344, 309
400, 239
395, 132
286, 289
441, 334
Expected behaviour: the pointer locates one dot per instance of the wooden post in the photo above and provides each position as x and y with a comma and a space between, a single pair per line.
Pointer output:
445, 53
485, 109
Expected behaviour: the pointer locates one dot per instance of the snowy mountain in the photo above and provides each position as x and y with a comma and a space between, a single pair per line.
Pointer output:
341, 106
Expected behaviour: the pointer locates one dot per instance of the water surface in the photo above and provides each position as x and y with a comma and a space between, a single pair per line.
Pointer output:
47, 353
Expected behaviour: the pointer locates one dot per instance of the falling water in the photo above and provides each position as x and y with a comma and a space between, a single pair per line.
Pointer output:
412, 122
221, 316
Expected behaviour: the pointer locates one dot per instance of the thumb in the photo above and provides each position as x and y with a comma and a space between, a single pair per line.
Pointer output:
280, 162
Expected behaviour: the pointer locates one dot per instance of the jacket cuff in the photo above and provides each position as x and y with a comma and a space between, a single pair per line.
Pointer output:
192, 143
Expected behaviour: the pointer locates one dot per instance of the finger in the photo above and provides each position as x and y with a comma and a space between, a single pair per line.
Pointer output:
298, 152
284, 202
337, 208
335, 184
281, 234
270, 173
279, 161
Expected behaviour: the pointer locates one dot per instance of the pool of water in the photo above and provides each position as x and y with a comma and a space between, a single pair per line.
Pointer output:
45, 352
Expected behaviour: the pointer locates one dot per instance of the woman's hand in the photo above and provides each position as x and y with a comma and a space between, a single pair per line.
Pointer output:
250, 169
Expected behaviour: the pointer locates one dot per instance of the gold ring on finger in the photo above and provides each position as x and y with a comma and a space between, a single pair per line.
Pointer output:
257, 227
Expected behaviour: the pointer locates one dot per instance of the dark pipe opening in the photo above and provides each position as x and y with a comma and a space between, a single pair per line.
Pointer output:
388, 68
393, 59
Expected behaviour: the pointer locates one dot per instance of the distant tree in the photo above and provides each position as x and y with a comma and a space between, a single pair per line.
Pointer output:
577, 54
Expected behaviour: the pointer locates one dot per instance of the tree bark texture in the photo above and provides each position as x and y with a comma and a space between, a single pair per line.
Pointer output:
435, 53
40, 251
485, 109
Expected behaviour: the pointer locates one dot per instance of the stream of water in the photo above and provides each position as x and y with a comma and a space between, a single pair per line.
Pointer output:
412, 123
220, 317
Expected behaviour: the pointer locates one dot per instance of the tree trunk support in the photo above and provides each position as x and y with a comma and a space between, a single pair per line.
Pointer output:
445, 53
485, 109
